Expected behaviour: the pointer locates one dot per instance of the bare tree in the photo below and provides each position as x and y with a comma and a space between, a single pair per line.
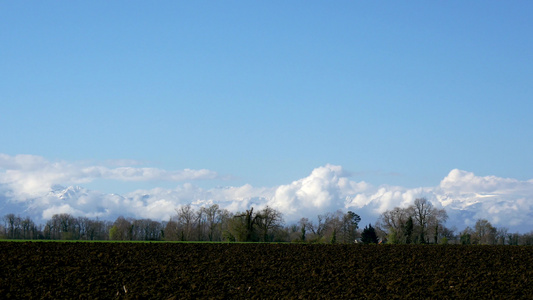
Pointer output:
306, 227
28, 228
422, 211
61, 226
200, 225
329, 226
427, 216
448, 234
16, 227
223, 231
268, 220
186, 218
213, 218
121, 230
82, 226
9, 220
526, 239
320, 229
395, 223
171, 231
501, 235
484, 233
52, 229
97, 229
412, 224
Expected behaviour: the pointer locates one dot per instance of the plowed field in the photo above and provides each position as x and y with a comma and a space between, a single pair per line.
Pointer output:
219, 271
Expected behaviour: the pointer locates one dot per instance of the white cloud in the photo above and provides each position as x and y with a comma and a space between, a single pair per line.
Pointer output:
145, 174
31, 182
326, 189
60, 209
29, 176
503, 201
467, 182
21, 162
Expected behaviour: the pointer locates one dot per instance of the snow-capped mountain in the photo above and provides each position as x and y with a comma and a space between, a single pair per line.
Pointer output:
466, 198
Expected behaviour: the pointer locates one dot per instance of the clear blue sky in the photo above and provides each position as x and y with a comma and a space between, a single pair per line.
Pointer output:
264, 92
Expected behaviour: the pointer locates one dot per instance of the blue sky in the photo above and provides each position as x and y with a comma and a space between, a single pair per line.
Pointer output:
263, 93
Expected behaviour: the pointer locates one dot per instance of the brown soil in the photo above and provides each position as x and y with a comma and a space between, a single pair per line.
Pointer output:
219, 271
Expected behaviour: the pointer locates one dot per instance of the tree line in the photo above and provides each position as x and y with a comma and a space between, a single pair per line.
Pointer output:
210, 223
420, 223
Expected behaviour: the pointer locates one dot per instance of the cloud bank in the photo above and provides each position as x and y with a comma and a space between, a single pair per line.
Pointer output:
31, 185
32, 176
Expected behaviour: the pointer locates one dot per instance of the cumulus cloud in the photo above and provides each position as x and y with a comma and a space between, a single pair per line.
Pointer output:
38, 187
326, 188
467, 182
